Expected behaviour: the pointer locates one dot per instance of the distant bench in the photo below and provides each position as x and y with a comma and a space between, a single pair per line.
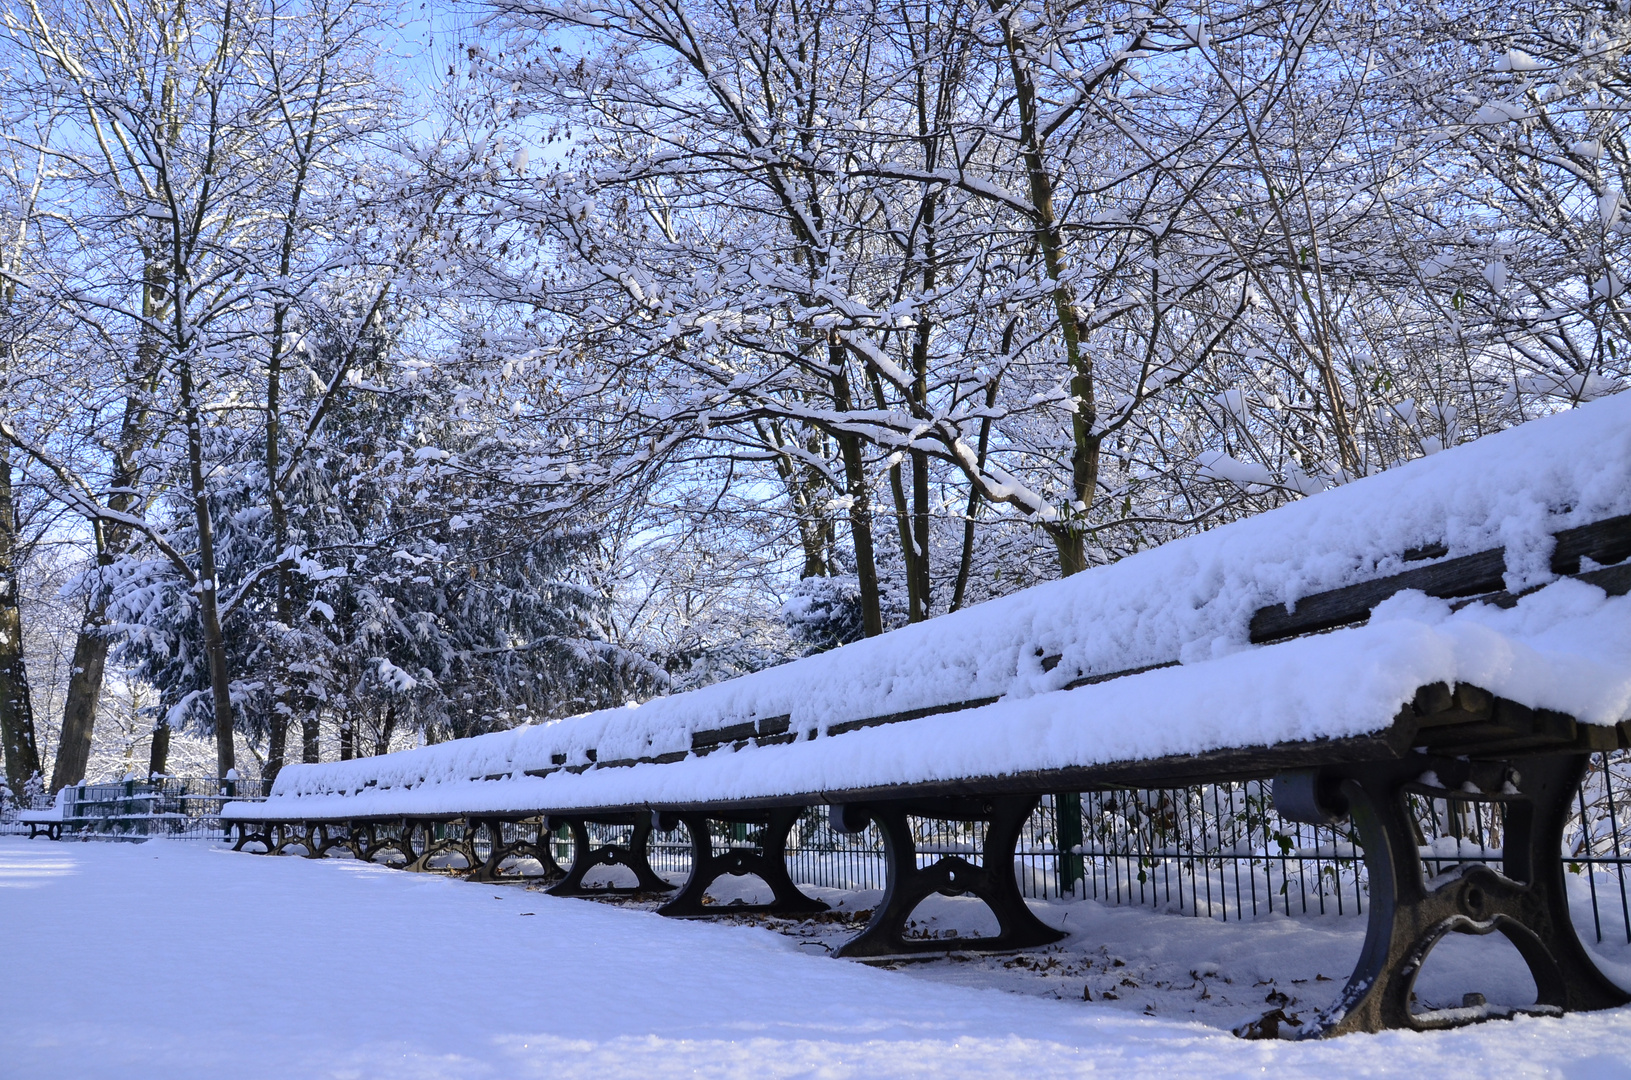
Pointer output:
158, 806
1348, 720
47, 820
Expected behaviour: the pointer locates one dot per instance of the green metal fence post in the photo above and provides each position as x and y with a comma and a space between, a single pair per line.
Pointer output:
229, 791
1067, 830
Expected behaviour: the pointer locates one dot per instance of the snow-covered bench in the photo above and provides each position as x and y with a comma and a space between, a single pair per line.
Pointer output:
48, 819
1456, 624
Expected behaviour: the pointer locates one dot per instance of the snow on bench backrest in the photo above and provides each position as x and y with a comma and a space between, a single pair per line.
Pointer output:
55, 812
1188, 600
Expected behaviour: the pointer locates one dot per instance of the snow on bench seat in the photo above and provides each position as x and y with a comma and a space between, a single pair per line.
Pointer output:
1565, 648
1008, 660
49, 814
49, 820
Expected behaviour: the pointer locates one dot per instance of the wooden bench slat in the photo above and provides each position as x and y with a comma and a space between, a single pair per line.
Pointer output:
1607, 541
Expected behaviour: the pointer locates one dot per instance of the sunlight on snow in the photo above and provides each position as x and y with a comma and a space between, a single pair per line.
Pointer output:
25, 870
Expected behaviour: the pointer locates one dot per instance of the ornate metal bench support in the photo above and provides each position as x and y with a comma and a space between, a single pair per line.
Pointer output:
951, 875
285, 835
254, 833
322, 837
767, 859
586, 855
366, 840
422, 835
500, 850
1527, 900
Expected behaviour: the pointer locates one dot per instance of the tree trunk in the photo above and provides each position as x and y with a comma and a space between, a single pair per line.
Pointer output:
1070, 541
920, 378
916, 605
920, 527
79, 709
282, 678
348, 740
387, 729
1068, 534
208, 587
915, 602
158, 759
309, 731
91, 647
966, 561
803, 495
860, 529
277, 745
860, 501
813, 523
16, 707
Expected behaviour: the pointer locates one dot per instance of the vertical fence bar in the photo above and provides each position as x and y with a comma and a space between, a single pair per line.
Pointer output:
1614, 840
1067, 825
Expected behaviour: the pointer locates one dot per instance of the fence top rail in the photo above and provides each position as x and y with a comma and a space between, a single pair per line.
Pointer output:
1043, 687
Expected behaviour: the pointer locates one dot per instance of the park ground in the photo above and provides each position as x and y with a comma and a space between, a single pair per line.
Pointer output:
182, 959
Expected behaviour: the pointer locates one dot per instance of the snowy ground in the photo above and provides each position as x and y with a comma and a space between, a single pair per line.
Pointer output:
180, 960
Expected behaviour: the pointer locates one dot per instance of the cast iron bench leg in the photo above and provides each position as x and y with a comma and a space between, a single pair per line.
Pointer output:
520, 847
767, 859
464, 844
249, 835
397, 837
951, 875
285, 834
1527, 901
371, 838
497, 849
420, 836
322, 837
586, 856
360, 840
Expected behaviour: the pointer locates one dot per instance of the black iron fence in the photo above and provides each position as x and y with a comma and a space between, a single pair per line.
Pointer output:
1216, 851
1222, 851
1219, 850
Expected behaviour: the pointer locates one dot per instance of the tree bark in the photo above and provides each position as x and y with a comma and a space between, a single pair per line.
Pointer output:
386, 730
277, 745
860, 529
91, 646
903, 518
860, 500
920, 528
915, 602
79, 709
1068, 534
803, 495
920, 373
16, 706
309, 731
966, 560
278, 736
158, 758
208, 587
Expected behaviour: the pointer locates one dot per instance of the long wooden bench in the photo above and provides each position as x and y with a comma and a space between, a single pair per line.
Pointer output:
1276, 647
